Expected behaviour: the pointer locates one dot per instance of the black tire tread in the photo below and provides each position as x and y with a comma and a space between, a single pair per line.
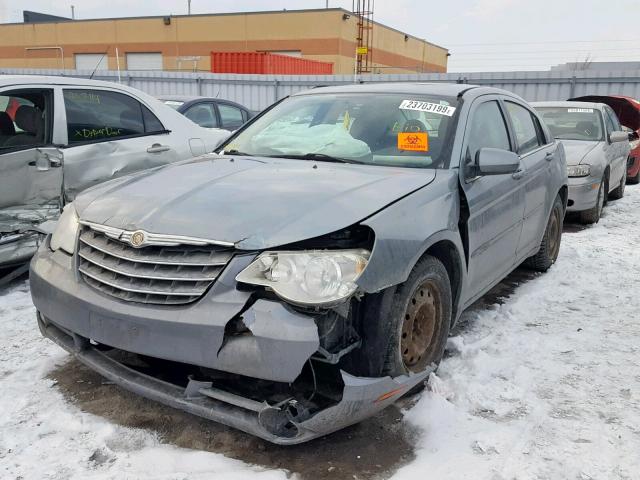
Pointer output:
542, 261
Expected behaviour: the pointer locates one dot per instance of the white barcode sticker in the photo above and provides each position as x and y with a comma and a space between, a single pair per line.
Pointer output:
580, 110
427, 107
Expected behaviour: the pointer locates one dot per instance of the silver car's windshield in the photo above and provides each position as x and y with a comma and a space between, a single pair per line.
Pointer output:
382, 129
573, 123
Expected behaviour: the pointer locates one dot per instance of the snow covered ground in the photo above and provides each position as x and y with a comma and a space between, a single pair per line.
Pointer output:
543, 386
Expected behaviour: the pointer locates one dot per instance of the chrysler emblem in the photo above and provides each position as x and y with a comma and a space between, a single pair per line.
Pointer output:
137, 238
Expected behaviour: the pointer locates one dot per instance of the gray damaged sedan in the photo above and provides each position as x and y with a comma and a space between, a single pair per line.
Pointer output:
308, 275
597, 150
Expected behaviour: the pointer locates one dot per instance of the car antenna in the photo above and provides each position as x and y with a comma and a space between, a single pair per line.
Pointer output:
98, 64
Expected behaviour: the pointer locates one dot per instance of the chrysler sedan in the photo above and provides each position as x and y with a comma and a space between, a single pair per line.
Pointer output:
597, 150
307, 275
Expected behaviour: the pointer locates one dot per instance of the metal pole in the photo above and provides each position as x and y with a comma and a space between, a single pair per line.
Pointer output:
73, 12
188, 7
118, 65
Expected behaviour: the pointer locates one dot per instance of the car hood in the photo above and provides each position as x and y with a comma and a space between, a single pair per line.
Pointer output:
577, 150
252, 202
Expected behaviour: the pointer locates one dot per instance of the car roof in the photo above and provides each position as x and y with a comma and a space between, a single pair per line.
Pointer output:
564, 103
411, 88
182, 98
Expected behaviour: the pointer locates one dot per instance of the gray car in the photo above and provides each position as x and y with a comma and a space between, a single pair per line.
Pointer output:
308, 275
61, 135
597, 150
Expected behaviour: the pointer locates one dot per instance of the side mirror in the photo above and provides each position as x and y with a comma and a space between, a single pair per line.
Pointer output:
615, 137
493, 161
633, 136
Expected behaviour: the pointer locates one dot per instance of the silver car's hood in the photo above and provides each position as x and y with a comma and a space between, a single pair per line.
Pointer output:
577, 150
254, 203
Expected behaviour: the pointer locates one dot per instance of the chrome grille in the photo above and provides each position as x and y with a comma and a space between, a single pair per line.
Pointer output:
167, 275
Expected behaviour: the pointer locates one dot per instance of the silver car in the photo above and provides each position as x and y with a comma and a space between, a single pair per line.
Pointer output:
59, 136
308, 275
597, 150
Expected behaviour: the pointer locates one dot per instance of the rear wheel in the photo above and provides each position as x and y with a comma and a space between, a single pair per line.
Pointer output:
593, 214
550, 246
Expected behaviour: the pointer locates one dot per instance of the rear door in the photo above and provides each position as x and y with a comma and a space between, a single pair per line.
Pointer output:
495, 202
30, 165
110, 134
203, 114
536, 156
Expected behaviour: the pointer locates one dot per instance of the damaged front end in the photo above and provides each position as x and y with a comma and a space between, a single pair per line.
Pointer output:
238, 354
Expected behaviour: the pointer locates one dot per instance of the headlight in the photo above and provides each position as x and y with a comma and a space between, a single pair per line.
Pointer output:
579, 170
64, 236
309, 277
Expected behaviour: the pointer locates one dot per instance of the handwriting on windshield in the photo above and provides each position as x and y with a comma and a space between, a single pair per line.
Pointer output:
84, 97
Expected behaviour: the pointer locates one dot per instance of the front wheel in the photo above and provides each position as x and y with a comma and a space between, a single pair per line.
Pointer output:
550, 246
420, 321
618, 192
593, 214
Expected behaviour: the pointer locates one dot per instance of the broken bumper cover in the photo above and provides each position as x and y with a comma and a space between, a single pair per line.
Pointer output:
362, 397
17, 248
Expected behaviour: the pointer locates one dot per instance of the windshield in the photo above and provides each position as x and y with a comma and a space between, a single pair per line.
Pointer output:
571, 123
382, 129
175, 104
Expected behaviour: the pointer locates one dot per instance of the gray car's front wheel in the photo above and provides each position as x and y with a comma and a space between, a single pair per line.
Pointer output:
593, 214
420, 321
550, 245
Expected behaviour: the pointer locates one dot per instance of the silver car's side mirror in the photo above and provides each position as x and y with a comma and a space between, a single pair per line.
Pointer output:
615, 137
494, 161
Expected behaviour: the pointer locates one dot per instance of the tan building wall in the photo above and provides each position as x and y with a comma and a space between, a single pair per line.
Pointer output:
324, 35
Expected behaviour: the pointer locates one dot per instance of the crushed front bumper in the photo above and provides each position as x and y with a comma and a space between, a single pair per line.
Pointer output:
76, 316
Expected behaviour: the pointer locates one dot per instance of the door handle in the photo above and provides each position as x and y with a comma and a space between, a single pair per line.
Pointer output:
157, 148
518, 174
549, 156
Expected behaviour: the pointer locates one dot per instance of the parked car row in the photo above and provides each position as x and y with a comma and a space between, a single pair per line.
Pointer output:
303, 272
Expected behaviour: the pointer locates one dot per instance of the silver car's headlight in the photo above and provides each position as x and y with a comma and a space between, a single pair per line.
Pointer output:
308, 277
582, 170
64, 236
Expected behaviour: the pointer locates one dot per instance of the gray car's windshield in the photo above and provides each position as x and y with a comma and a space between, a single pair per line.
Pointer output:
573, 123
383, 129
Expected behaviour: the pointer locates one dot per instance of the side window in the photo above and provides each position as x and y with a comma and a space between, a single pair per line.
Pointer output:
95, 115
230, 117
525, 130
488, 130
203, 114
151, 122
25, 119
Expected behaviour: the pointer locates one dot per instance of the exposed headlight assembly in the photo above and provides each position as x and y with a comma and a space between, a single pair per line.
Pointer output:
582, 170
64, 236
308, 278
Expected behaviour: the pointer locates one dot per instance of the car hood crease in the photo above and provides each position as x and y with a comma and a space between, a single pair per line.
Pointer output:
254, 205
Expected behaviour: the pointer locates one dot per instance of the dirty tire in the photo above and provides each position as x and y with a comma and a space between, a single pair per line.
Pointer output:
550, 245
618, 193
420, 320
593, 214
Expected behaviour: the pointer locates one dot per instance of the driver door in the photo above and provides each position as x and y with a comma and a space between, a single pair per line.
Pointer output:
495, 202
30, 166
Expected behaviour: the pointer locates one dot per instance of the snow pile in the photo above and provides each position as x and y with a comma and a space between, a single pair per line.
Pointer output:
546, 385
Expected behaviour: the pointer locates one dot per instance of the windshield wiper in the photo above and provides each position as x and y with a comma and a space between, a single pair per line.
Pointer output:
320, 157
233, 151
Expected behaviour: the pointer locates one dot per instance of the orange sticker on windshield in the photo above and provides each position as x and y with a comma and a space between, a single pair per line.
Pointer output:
413, 141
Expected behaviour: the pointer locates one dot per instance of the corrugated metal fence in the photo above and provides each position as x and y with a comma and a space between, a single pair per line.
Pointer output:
259, 91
